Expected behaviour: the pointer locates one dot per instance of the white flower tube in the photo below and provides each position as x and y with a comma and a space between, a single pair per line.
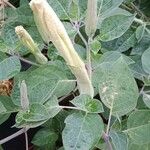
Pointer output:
91, 17
27, 41
52, 29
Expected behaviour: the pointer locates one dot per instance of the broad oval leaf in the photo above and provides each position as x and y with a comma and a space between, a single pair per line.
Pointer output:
42, 83
139, 127
117, 87
35, 116
142, 46
82, 131
119, 140
9, 67
121, 44
114, 26
45, 137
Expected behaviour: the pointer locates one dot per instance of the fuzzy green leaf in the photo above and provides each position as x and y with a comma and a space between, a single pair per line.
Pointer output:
114, 80
114, 26
9, 67
139, 127
82, 131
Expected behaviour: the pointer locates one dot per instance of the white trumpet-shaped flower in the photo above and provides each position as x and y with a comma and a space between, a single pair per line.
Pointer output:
27, 41
52, 29
91, 17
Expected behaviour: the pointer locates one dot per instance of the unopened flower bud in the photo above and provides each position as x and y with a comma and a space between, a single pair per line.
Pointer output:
27, 41
91, 17
24, 96
52, 29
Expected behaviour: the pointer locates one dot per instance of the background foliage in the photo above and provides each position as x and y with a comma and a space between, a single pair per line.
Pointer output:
118, 117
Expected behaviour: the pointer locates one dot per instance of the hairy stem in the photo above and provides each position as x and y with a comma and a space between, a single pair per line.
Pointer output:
12, 136
26, 138
109, 120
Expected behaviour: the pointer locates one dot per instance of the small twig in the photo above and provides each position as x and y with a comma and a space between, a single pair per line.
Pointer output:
64, 97
139, 21
26, 138
12, 136
9, 4
126, 7
109, 121
69, 107
142, 90
28, 61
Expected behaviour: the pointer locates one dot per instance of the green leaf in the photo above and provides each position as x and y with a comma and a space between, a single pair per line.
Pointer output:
114, 26
66, 87
20, 16
95, 46
60, 7
3, 118
137, 68
81, 51
53, 107
109, 57
146, 99
142, 46
8, 105
9, 67
35, 116
37, 112
23, 2
139, 127
45, 137
140, 32
114, 80
82, 131
57, 123
37, 82
119, 140
2, 56
113, 56
121, 44
69, 10
2, 108
85, 103
108, 6
70, 30
73, 10
145, 61
1, 148
133, 146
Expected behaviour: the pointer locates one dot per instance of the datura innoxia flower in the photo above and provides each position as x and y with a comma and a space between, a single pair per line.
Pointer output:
27, 41
91, 17
52, 29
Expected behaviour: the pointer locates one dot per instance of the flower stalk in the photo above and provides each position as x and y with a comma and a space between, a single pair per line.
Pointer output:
28, 42
52, 29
